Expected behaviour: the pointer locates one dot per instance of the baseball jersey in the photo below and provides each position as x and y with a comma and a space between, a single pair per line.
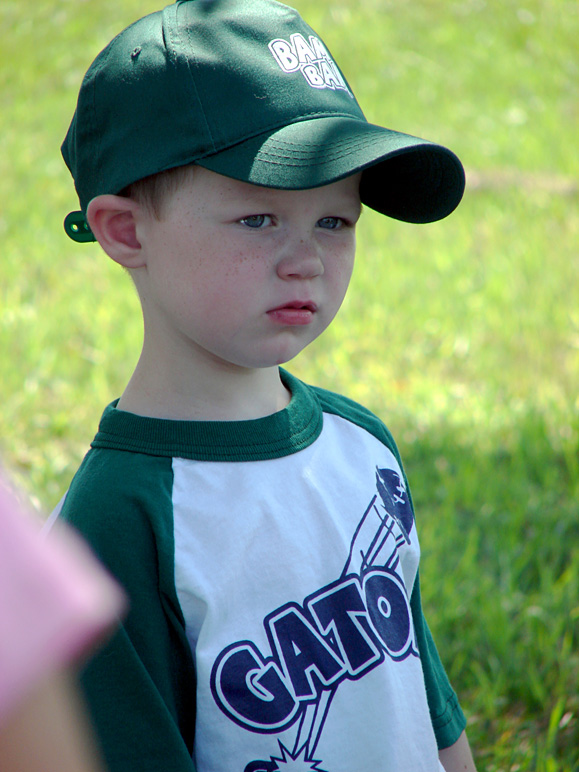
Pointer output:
272, 567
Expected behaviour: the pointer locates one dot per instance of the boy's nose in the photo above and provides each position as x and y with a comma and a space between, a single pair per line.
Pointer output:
301, 261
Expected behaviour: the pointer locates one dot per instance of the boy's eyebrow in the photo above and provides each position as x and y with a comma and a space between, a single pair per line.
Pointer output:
358, 207
260, 197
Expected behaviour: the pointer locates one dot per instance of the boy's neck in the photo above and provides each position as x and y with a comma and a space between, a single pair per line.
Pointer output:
238, 394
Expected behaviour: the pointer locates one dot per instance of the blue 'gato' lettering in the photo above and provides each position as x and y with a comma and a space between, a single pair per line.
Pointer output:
342, 631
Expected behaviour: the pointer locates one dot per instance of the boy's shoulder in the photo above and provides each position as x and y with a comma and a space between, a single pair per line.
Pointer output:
113, 481
344, 407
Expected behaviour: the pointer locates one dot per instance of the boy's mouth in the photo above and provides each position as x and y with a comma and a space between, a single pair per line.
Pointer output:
296, 312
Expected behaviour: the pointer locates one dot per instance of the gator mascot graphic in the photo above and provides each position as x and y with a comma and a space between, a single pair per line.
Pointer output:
339, 633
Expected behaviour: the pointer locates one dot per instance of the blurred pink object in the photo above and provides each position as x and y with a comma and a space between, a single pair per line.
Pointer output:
55, 600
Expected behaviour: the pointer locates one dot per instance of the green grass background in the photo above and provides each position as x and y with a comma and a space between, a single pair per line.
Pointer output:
463, 335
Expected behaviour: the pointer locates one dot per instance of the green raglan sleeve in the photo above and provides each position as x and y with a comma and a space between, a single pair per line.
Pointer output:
447, 718
140, 687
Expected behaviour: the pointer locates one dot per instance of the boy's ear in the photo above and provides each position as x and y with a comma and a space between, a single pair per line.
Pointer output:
112, 221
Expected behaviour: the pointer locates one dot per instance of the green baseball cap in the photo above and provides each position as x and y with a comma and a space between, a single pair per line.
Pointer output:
247, 89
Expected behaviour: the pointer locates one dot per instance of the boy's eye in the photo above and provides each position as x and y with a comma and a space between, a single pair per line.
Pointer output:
256, 220
330, 223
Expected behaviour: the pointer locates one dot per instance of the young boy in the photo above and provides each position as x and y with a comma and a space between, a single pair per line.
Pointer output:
262, 528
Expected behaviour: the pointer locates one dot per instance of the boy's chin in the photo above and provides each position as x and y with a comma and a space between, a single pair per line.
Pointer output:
275, 358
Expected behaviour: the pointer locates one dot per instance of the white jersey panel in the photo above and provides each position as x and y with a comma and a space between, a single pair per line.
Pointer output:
294, 576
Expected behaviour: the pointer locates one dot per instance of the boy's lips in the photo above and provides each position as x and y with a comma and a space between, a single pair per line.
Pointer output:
294, 312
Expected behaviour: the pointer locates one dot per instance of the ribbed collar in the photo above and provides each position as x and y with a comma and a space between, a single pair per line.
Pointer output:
273, 436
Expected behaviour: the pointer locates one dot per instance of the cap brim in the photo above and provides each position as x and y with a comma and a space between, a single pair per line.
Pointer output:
404, 177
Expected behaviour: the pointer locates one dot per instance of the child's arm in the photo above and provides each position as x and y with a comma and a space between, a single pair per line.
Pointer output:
140, 687
458, 758
48, 731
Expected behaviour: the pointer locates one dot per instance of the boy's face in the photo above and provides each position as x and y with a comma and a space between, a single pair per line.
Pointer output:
244, 275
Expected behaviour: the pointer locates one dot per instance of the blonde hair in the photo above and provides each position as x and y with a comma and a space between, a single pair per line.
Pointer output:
152, 192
